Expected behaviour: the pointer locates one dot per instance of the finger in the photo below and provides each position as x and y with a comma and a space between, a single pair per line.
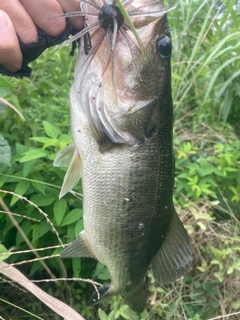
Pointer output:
72, 6
21, 20
10, 53
42, 12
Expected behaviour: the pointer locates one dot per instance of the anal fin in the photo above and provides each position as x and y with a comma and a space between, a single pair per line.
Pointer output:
78, 248
174, 257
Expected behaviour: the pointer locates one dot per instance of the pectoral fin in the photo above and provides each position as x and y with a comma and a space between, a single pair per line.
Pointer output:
64, 156
73, 174
175, 254
78, 248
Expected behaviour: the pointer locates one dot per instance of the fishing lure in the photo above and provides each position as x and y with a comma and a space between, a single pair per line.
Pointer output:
112, 17
86, 38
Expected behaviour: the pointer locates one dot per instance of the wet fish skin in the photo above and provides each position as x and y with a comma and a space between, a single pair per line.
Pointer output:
128, 172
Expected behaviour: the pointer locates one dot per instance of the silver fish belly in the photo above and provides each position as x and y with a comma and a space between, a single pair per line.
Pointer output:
121, 120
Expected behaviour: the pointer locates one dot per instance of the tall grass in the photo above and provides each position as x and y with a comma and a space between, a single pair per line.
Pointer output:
206, 59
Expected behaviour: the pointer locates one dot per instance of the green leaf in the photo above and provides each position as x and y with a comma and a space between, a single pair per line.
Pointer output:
40, 139
124, 314
72, 217
102, 315
5, 89
131, 26
20, 189
38, 183
5, 151
236, 305
50, 142
176, 76
4, 82
124, 307
70, 232
113, 315
78, 227
3, 106
26, 228
101, 272
202, 226
205, 167
229, 169
230, 270
34, 154
76, 265
21, 148
36, 266
3, 253
59, 209
27, 168
8, 226
42, 228
50, 130
173, 310
42, 200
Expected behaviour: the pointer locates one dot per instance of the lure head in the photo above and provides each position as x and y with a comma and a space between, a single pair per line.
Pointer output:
109, 14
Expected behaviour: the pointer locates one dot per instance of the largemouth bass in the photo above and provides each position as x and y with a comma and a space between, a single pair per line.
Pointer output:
121, 121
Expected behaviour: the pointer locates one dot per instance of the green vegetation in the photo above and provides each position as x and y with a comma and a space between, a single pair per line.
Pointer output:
206, 94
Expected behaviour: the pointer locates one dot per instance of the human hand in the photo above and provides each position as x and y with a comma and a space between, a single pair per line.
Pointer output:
21, 17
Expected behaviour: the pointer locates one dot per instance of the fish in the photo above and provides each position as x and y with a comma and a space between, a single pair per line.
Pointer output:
122, 127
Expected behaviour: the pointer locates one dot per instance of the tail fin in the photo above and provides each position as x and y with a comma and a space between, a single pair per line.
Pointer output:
135, 300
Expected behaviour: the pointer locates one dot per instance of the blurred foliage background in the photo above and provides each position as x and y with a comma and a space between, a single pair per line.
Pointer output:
206, 94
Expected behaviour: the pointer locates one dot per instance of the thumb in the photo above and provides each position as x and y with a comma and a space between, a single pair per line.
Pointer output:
10, 53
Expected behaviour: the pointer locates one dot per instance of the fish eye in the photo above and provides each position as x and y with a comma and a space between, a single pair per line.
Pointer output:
164, 46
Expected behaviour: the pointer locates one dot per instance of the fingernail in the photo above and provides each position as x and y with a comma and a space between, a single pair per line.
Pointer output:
3, 21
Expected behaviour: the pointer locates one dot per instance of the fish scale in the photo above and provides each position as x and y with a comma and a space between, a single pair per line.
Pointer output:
123, 151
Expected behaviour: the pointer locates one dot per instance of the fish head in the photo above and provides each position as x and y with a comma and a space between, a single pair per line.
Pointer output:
121, 86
